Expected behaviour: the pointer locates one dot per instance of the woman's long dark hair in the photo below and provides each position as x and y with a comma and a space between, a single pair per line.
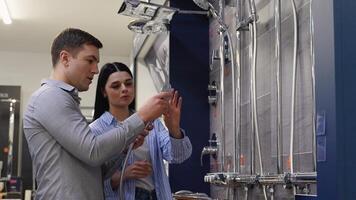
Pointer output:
101, 102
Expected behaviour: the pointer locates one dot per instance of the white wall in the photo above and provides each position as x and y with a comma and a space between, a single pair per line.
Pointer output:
27, 69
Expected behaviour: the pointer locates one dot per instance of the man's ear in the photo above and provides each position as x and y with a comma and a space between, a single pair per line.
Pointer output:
64, 57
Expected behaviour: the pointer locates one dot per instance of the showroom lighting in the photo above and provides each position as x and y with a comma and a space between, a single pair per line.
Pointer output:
4, 12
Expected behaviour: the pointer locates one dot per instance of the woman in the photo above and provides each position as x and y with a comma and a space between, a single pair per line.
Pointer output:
145, 174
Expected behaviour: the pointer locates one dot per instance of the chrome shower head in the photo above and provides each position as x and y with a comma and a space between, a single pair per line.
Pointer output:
148, 26
155, 26
203, 4
137, 25
138, 9
153, 18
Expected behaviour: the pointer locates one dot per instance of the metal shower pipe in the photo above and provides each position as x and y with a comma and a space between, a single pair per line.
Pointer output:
252, 165
252, 5
277, 9
255, 114
224, 31
234, 103
237, 79
313, 84
222, 100
295, 21
254, 80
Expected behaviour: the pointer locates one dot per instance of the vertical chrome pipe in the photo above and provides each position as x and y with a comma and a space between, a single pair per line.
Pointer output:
254, 83
253, 10
238, 90
234, 103
277, 21
234, 98
253, 30
292, 129
312, 57
255, 113
222, 100
254, 79
223, 29
251, 50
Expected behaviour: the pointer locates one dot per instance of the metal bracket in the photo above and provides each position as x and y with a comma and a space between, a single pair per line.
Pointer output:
243, 25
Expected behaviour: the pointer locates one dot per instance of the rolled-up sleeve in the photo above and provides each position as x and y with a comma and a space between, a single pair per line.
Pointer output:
181, 148
173, 150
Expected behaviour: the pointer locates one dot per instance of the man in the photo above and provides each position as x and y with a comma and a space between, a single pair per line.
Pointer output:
66, 155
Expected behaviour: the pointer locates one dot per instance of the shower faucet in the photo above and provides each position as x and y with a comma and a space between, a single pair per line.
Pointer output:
212, 149
212, 97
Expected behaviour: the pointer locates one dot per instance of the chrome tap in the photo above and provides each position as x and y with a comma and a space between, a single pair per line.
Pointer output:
212, 149
212, 98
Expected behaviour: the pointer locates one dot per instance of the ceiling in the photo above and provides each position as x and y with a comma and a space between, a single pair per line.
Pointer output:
37, 22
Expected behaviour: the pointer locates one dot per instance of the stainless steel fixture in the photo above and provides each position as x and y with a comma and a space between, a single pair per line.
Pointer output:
212, 93
212, 149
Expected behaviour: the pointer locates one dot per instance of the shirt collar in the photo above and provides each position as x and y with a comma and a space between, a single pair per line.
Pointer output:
108, 118
65, 86
57, 83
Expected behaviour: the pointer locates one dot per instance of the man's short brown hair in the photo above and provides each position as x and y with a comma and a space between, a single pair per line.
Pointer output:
72, 39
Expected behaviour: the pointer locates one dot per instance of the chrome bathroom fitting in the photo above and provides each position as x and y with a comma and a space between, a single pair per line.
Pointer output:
212, 93
243, 25
212, 149
272, 179
152, 18
300, 178
230, 179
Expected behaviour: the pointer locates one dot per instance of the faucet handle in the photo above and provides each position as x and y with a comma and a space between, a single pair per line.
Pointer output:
211, 150
212, 91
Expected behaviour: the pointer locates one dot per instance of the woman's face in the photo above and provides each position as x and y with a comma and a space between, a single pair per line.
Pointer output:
119, 89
